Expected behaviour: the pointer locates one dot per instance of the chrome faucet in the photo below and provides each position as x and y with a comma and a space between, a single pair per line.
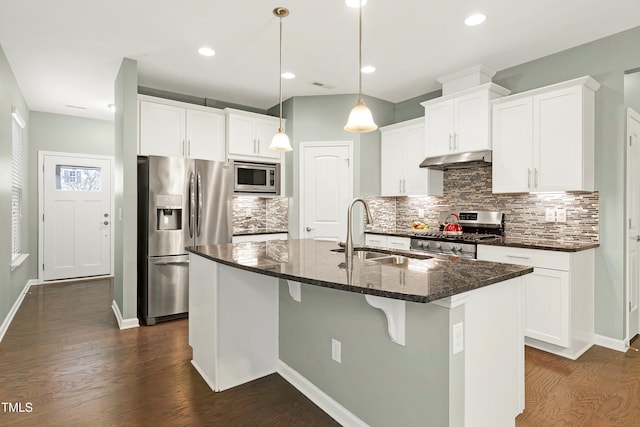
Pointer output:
348, 250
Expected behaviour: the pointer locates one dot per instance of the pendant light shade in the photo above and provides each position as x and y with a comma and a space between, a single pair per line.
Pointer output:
280, 141
360, 118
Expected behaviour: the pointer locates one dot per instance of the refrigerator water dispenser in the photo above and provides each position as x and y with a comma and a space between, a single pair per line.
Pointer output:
168, 212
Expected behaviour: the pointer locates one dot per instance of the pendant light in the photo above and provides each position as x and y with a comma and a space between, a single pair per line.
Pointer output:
360, 118
280, 141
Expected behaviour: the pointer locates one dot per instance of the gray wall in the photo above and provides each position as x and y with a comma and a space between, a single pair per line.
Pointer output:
126, 172
606, 60
632, 90
382, 383
64, 134
322, 118
12, 282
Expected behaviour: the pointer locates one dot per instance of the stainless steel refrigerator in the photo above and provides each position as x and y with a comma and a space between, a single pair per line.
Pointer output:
181, 202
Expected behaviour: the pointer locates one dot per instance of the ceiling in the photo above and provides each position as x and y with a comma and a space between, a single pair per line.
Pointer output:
66, 54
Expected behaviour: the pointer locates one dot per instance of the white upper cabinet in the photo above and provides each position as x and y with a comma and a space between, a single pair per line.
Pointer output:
402, 150
249, 135
543, 140
460, 122
176, 129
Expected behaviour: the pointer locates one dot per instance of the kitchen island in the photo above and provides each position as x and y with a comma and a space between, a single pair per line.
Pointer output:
434, 340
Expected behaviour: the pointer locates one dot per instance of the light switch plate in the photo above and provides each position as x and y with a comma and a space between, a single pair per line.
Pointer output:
420, 213
550, 215
561, 215
336, 350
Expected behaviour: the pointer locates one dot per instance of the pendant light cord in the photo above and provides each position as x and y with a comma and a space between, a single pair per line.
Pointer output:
360, 51
280, 76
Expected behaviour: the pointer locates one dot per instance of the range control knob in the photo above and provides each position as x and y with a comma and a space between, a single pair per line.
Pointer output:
437, 245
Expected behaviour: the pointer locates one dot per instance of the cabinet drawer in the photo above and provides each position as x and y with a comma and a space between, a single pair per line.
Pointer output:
531, 257
377, 240
396, 242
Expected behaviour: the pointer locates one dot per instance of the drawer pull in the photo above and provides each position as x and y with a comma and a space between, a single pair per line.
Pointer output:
518, 257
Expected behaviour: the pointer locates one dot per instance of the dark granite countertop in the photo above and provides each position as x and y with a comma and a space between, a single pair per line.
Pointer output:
255, 231
543, 245
546, 245
313, 262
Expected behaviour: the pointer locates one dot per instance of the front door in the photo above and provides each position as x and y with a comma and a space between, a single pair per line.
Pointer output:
326, 178
76, 217
633, 212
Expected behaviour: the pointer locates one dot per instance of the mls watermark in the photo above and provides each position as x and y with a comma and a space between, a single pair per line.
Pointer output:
16, 407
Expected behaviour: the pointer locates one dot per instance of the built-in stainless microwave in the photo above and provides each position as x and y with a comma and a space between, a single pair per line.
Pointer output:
256, 178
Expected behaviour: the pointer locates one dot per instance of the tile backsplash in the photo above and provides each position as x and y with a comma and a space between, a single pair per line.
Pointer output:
252, 212
470, 189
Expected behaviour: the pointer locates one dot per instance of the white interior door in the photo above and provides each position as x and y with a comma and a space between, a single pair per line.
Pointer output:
633, 213
77, 217
326, 177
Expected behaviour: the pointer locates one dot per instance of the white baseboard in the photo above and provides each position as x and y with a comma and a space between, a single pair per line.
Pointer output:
338, 412
14, 309
612, 343
124, 323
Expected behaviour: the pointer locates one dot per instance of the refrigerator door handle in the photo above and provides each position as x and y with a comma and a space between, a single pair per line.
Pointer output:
192, 204
200, 206
171, 262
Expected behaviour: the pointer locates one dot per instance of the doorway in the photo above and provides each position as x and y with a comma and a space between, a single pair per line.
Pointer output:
326, 188
75, 216
633, 229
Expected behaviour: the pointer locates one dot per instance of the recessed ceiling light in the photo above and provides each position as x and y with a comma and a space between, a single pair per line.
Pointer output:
475, 19
368, 69
206, 51
288, 75
355, 3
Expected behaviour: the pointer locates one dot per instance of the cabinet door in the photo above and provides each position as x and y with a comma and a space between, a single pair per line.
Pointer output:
546, 306
265, 129
415, 178
439, 128
557, 133
391, 157
162, 130
513, 146
205, 135
241, 134
471, 113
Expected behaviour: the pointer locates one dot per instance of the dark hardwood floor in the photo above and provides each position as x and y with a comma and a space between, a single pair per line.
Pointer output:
65, 356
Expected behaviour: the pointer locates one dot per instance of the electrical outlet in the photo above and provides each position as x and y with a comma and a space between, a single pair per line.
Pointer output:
458, 337
247, 212
336, 350
561, 215
550, 215
421, 213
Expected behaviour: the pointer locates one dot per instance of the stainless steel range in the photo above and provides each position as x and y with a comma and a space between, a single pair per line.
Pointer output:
476, 226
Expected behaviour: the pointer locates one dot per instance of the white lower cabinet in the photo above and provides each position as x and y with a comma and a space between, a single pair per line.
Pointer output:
387, 242
558, 297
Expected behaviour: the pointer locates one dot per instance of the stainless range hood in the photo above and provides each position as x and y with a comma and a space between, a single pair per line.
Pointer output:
458, 160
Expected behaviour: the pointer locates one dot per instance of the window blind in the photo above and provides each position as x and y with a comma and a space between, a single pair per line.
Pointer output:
16, 184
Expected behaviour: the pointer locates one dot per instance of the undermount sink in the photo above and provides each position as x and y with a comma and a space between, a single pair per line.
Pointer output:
381, 257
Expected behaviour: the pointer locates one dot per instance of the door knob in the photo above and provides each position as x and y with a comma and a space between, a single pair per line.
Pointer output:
106, 215
106, 223
638, 238
308, 228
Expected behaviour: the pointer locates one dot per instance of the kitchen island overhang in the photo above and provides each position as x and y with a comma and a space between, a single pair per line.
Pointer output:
245, 323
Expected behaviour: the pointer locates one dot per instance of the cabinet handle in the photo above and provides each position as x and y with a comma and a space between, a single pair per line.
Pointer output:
455, 141
517, 257
189, 148
404, 186
450, 138
535, 177
529, 178
400, 186
184, 148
